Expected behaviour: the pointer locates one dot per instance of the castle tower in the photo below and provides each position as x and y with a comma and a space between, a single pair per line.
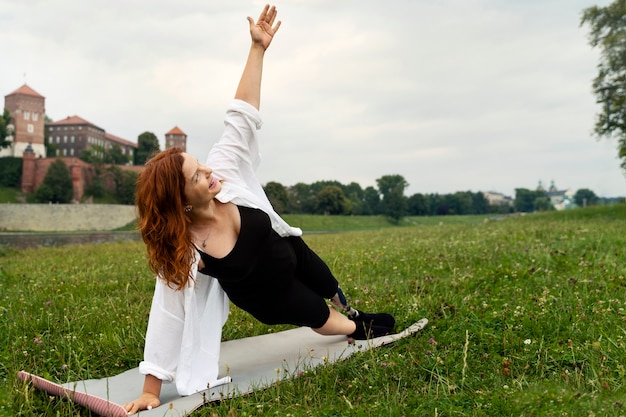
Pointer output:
27, 108
176, 138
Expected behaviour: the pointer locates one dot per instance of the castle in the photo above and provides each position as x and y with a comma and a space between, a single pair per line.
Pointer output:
71, 136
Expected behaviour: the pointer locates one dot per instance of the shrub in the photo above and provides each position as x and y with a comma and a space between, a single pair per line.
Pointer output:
10, 171
57, 185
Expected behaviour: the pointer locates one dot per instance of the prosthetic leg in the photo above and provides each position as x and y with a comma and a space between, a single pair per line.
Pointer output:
340, 303
368, 325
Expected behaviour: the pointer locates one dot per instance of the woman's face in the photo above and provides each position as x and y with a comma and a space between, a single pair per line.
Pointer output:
200, 185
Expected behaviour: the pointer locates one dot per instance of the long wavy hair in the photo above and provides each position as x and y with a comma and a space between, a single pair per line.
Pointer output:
164, 226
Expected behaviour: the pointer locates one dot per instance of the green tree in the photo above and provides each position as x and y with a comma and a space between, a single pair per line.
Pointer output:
114, 155
10, 171
529, 201
57, 185
96, 188
5, 121
125, 182
439, 204
542, 203
277, 194
607, 32
436, 205
125, 188
332, 200
417, 205
525, 200
93, 155
147, 145
318, 186
355, 194
392, 187
371, 201
98, 155
585, 197
480, 204
301, 198
459, 203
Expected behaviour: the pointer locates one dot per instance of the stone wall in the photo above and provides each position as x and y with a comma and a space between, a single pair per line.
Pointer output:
64, 217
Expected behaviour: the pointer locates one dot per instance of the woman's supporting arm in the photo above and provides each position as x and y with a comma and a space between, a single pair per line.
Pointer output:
149, 397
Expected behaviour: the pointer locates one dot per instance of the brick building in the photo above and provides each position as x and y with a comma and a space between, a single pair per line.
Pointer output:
28, 111
176, 138
73, 135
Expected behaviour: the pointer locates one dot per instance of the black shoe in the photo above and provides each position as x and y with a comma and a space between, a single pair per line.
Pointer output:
371, 325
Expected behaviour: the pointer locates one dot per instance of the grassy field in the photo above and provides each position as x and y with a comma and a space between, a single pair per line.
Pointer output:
329, 224
9, 195
527, 318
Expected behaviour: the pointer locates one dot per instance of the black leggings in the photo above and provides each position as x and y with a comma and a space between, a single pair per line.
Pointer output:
290, 285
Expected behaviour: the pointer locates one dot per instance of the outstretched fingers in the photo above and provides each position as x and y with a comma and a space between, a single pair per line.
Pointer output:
263, 30
267, 18
264, 13
270, 15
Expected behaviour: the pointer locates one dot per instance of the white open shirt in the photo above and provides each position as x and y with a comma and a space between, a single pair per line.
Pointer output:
185, 326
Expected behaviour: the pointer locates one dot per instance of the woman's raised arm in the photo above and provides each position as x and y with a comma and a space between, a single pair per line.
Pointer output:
262, 33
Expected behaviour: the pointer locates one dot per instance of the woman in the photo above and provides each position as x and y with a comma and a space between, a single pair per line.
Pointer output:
212, 235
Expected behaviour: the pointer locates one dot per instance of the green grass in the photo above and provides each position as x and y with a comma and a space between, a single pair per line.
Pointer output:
527, 318
9, 195
329, 224
320, 223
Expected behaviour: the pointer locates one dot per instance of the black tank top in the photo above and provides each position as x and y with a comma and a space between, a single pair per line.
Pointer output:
259, 253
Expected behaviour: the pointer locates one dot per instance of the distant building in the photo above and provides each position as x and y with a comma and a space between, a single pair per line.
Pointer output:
70, 137
28, 111
497, 199
560, 199
73, 135
176, 138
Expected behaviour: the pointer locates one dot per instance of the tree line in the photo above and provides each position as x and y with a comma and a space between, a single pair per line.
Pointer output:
388, 199
321, 197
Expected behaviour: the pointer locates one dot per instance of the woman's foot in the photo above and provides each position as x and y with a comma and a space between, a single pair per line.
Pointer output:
371, 325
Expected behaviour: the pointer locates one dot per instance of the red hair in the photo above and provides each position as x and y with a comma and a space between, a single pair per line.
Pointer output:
160, 201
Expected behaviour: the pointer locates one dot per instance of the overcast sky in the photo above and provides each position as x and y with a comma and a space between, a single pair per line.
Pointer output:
454, 95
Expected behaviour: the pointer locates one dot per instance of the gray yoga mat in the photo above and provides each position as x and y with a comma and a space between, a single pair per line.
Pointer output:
252, 363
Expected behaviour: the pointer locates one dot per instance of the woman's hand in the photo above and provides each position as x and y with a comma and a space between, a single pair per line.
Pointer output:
147, 401
262, 32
